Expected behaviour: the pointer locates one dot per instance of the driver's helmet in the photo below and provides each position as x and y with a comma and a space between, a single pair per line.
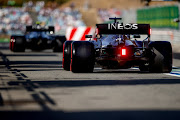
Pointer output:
125, 37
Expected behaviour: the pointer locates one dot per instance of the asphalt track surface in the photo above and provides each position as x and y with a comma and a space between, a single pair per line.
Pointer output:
33, 86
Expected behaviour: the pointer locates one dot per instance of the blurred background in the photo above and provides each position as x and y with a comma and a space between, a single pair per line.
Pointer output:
162, 15
33, 85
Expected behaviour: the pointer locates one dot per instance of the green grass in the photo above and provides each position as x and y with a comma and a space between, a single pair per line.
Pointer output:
4, 40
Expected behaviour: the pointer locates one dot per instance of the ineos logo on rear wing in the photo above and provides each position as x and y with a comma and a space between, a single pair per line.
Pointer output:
119, 28
114, 26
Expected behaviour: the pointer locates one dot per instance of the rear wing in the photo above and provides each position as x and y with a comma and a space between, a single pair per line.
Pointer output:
120, 28
38, 28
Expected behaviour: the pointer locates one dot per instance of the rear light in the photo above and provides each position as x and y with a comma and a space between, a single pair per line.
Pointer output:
123, 51
97, 31
150, 31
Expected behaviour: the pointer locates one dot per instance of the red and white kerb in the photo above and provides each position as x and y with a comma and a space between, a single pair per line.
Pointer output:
78, 33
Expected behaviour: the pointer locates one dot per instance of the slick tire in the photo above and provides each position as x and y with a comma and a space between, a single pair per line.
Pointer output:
82, 57
67, 55
17, 44
161, 59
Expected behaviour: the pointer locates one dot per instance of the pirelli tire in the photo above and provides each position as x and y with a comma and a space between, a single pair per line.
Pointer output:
161, 59
67, 55
82, 57
17, 44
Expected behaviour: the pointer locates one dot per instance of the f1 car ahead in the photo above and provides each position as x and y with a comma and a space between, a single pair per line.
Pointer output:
37, 38
117, 46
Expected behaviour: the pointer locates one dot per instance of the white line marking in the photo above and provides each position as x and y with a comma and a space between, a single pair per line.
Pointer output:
98, 68
172, 74
175, 73
135, 68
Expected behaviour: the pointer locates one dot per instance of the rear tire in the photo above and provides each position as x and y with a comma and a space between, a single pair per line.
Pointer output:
67, 55
161, 59
82, 57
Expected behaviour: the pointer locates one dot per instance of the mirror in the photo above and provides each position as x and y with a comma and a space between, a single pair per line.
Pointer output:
51, 32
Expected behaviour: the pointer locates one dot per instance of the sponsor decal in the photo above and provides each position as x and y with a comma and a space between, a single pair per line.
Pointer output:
12, 40
159, 17
115, 26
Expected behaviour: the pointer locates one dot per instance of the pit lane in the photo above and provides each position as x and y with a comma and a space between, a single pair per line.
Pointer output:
33, 85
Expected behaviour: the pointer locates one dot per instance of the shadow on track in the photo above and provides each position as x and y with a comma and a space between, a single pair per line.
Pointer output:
116, 71
93, 115
30, 63
83, 83
48, 114
31, 55
35, 62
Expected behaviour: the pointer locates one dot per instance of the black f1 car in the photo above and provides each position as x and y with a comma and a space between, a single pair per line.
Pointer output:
118, 46
37, 38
